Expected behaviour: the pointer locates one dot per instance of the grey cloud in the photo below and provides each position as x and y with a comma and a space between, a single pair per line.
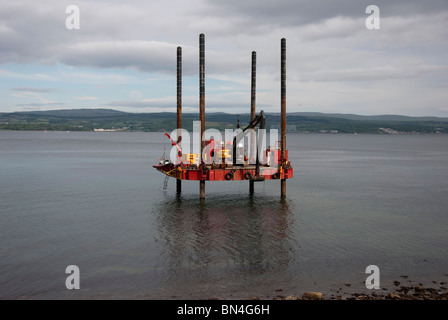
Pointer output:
299, 12
327, 42
210, 105
148, 56
388, 72
142, 55
40, 104
35, 28
36, 90
138, 35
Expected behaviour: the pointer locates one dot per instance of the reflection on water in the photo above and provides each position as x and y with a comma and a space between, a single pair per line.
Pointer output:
225, 235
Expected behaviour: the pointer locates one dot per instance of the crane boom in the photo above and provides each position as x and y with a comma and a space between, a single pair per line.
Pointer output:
174, 143
259, 119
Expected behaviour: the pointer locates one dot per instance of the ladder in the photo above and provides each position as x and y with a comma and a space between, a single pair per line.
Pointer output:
165, 183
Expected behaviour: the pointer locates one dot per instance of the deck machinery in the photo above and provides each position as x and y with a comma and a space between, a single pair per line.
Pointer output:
233, 162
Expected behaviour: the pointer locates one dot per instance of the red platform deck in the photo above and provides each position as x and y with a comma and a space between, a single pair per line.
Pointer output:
210, 173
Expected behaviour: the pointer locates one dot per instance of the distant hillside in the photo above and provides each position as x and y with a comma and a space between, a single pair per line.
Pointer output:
91, 119
369, 118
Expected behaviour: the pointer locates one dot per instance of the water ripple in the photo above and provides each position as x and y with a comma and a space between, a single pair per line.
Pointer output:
224, 235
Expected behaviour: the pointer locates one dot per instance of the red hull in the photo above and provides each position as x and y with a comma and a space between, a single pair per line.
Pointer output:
227, 174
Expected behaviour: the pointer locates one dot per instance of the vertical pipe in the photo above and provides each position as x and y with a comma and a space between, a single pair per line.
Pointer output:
253, 86
202, 103
283, 112
252, 113
179, 107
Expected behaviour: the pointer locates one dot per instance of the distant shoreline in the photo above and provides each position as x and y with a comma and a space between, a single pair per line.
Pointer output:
289, 132
303, 122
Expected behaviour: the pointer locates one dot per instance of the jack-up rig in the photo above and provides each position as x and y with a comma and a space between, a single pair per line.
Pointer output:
227, 161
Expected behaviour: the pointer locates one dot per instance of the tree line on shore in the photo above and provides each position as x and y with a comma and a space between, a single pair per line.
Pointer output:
91, 119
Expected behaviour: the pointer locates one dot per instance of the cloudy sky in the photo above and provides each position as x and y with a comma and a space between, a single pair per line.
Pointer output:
123, 56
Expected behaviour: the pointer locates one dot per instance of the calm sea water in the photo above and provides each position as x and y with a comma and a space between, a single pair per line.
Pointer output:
94, 200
